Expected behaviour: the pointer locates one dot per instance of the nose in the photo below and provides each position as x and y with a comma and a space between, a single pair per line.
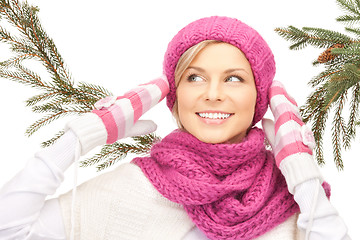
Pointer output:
214, 91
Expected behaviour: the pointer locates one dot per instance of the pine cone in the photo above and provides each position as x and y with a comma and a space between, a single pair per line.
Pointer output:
327, 56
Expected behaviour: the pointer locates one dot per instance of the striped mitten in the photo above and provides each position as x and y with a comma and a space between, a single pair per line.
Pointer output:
117, 117
291, 140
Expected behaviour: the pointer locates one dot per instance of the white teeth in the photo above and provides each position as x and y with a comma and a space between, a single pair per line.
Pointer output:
215, 115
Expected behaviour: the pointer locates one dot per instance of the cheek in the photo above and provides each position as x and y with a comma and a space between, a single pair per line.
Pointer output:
186, 97
252, 103
185, 102
252, 100
247, 102
181, 101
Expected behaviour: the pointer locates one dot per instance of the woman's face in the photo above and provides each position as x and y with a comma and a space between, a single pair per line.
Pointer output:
216, 95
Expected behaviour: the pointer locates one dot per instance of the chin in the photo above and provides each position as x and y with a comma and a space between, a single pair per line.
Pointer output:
217, 138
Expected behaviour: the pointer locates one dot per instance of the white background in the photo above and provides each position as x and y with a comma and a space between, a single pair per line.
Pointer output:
119, 44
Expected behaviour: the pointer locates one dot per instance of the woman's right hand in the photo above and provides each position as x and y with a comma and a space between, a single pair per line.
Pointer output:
117, 117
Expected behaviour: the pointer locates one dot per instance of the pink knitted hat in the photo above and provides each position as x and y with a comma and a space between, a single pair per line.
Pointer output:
231, 31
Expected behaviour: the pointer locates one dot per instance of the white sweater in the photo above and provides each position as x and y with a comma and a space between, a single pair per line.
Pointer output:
123, 204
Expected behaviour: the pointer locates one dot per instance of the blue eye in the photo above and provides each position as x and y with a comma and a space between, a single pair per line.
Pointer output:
194, 78
234, 79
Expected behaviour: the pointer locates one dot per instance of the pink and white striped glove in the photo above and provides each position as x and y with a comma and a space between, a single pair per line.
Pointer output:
291, 140
117, 117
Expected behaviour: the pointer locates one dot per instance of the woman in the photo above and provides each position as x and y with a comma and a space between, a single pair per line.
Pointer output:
211, 179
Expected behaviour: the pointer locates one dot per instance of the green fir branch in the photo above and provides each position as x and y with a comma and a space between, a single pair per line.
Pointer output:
352, 7
324, 38
59, 95
43, 122
53, 139
316, 111
317, 37
338, 130
354, 31
298, 37
353, 118
14, 62
94, 90
351, 52
350, 19
112, 153
331, 86
40, 97
323, 77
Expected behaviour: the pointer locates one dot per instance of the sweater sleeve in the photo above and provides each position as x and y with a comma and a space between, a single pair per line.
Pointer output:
24, 212
317, 215
318, 218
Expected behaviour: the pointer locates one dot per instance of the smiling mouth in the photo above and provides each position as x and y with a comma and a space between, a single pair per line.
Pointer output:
214, 115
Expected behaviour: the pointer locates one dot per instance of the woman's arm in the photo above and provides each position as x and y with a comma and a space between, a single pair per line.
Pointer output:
292, 143
318, 218
24, 213
317, 215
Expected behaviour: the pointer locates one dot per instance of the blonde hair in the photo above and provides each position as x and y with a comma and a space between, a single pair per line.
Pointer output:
184, 61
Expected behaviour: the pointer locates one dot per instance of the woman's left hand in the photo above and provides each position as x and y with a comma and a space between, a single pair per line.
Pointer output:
289, 135
291, 140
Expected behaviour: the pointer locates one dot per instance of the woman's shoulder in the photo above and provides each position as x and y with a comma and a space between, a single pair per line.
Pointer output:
122, 200
124, 172
126, 183
126, 180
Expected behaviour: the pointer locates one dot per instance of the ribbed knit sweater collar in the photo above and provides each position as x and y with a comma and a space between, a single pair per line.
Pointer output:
230, 191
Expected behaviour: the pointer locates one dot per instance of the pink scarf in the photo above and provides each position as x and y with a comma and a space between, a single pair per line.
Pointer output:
230, 191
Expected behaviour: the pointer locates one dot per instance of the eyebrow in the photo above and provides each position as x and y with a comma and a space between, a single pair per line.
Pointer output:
196, 68
230, 70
